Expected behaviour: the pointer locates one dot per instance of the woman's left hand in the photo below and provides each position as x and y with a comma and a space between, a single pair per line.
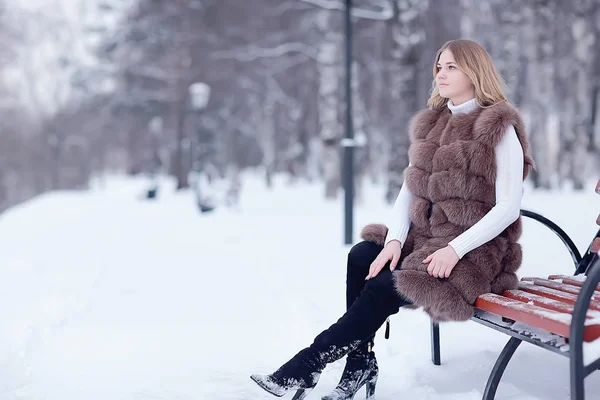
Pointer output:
441, 262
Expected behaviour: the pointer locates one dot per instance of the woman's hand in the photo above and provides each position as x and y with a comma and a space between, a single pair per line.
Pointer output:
391, 251
441, 262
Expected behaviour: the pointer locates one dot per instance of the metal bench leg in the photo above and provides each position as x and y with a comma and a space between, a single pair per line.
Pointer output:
499, 367
436, 357
578, 373
577, 384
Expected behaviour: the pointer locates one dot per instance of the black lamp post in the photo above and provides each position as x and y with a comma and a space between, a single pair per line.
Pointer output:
348, 142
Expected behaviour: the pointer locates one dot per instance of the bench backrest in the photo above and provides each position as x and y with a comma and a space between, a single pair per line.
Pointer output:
595, 247
594, 250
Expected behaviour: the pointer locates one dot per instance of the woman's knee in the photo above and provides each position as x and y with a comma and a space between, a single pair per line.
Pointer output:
363, 253
383, 283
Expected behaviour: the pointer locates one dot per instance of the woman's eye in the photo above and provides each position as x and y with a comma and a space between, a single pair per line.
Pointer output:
451, 67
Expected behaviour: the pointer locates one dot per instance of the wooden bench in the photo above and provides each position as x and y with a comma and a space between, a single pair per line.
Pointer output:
566, 309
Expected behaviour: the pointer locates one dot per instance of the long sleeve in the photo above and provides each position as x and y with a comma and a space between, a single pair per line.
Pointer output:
509, 191
399, 223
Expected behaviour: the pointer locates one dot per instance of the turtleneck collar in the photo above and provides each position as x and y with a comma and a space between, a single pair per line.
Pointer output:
465, 107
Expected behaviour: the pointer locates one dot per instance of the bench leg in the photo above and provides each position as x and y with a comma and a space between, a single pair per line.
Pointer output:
499, 367
577, 373
436, 357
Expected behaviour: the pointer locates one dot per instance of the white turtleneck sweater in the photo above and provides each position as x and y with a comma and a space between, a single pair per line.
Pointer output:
509, 190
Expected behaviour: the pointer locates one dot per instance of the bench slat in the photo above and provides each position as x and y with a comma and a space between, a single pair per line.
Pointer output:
545, 302
555, 294
557, 285
577, 280
551, 321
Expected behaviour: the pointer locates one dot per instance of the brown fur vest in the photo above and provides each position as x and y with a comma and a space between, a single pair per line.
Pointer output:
452, 177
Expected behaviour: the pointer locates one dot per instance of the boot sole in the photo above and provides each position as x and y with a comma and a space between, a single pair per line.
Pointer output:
263, 382
271, 387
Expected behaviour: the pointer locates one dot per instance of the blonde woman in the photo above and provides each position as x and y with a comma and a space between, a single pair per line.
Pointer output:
455, 227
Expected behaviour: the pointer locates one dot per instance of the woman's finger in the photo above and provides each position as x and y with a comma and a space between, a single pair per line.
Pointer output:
431, 267
448, 271
375, 272
394, 262
438, 268
373, 267
374, 263
442, 270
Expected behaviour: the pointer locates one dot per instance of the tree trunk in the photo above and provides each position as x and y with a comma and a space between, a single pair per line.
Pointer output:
408, 37
583, 36
538, 45
329, 86
180, 173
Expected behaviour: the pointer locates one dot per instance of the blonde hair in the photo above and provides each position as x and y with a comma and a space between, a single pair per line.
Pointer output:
472, 59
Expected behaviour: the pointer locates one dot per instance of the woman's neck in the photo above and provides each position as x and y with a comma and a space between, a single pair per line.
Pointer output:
464, 107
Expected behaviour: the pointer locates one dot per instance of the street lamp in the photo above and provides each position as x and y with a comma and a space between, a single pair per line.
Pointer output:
199, 94
348, 142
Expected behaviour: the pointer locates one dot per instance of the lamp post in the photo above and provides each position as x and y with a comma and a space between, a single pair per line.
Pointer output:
348, 142
199, 94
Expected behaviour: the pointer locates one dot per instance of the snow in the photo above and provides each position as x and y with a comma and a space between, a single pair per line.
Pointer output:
107, 296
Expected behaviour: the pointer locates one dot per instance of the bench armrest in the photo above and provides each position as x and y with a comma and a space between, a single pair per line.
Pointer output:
558, 231
578, 319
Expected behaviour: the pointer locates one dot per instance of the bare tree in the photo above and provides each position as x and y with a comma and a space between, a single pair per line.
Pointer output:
539, 15
408, 38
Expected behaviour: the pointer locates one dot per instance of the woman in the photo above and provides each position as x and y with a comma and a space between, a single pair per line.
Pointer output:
455, 231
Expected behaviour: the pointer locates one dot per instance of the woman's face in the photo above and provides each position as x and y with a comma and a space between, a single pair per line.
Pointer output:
452, 83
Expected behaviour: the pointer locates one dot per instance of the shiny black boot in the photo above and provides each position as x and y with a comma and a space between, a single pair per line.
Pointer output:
361, 370
300, 374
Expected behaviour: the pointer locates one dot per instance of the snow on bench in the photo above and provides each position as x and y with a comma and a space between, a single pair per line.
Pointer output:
546, 304
554, 294
558, 286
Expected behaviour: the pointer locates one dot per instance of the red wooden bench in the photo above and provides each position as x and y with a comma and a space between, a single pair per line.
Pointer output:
565, 308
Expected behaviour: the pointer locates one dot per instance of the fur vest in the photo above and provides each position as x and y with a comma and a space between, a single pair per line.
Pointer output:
452, 177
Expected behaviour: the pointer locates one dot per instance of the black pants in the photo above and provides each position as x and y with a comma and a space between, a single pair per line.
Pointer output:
369, 304
359, 262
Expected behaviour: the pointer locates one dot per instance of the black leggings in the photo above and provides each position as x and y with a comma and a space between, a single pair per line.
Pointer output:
360, 258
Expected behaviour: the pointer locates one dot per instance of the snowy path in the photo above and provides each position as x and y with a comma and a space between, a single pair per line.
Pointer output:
104, 297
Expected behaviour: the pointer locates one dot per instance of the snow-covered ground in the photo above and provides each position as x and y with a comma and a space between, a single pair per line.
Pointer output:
105, 296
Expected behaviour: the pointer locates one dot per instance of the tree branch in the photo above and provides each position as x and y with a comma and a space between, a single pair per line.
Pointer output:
385, 14
252, 53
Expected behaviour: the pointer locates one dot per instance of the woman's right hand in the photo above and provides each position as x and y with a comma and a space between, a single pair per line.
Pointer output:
391, 251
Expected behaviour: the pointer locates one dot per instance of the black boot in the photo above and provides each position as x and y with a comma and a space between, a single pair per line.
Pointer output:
361, 366
361, 369
300, 374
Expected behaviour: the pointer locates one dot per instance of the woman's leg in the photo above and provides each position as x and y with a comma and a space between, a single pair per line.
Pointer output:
361, 365
377, 300
359, 261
